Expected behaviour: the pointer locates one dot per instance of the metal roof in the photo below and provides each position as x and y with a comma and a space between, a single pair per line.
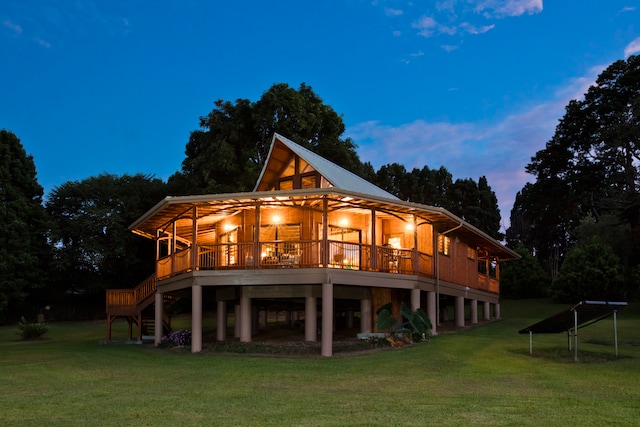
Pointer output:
281, 153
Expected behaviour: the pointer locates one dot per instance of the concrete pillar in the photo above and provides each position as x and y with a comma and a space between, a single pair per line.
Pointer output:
459, 312
415, 299
196, 318
245, 319
432, 312
310, 319
349, 319
236, 321
486, 310
221, 321
326, 347
366, 319
496, 310
474, 311
159, 316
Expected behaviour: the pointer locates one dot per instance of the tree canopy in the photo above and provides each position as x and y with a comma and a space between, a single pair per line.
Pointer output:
589, 169
228, 151
92, 246
23, 248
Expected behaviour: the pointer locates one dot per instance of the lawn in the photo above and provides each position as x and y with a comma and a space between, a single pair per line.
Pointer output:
482, 376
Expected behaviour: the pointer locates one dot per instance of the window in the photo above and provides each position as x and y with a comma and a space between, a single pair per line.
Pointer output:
443, 244
471, 253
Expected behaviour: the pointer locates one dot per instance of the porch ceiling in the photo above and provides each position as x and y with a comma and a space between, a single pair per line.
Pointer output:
213, 208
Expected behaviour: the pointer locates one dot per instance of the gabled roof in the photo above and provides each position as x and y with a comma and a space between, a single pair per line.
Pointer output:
282, 151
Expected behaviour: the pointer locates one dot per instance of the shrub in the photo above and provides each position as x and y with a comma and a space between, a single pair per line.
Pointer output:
176, 338
31, 330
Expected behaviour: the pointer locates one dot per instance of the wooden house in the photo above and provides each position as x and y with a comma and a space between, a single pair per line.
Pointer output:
317, 238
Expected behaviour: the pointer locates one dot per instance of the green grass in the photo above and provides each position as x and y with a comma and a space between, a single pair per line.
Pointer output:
483, 376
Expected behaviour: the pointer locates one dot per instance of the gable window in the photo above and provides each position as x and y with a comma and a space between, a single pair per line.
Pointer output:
443, 244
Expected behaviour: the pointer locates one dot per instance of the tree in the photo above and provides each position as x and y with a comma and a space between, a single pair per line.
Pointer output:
589, 168
228, 152
477, 204
523, 278
591, 271
92, 246
23, 248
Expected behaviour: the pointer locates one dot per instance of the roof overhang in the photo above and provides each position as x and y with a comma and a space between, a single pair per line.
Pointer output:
218, 206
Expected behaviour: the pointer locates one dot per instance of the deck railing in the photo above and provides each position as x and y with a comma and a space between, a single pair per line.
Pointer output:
305, 254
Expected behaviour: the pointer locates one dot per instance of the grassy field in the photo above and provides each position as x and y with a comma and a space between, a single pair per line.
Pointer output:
483, 376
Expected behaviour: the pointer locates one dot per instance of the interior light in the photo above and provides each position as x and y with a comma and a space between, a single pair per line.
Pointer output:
409, 227
344, 222
276, 219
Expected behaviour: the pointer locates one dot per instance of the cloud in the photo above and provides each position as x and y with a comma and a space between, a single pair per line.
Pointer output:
15, 28
499, 150
42, 43
392, 12
632, 48
426, 26
472, 29
501, 8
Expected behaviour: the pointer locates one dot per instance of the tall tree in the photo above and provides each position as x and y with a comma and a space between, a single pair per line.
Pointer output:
590, 166
228, 151
92, 246
23, 248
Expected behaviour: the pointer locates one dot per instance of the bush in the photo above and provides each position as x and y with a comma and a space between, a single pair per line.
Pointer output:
31, 330
177, 338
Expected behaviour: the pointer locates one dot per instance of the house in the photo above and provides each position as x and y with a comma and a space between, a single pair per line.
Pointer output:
314, 237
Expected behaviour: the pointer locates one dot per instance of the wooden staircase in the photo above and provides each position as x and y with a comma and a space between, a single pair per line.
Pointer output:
136, 305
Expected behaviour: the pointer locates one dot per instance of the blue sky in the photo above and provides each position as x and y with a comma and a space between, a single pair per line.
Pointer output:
477, 86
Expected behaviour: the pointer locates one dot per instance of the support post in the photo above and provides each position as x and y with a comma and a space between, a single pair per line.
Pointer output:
486, 310
415, 299
196, 319
459, 315
473, 308
531, 342
432, 312
245, 319
310, 319
159, 316
366, 318
221, 321
327, 320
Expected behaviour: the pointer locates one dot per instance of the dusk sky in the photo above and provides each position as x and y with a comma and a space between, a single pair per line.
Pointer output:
476, 86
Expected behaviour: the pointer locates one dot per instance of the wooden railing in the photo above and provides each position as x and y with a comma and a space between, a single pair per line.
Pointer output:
127, 300
307, 254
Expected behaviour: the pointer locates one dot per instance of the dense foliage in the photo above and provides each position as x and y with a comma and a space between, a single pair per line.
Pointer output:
92, 246
523, 278
23, 248
587, 174
591, 271
228, 151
